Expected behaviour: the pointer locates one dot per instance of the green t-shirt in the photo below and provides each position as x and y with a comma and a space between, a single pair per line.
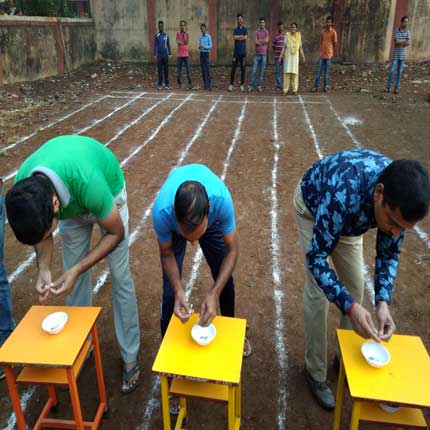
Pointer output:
85, 174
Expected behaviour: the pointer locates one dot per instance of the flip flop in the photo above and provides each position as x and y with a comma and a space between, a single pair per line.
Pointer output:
127, 376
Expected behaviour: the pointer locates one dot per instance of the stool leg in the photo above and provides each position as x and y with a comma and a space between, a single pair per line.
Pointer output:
165, 402
74, 397
339, 396
99, 367
355, 417
52, 395
238, 402
14, 397
231, 407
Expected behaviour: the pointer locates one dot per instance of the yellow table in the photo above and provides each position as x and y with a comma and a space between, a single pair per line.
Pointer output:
405, 382
54, 360
202, 371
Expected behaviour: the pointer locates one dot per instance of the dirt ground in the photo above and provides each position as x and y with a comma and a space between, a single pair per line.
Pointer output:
263, 157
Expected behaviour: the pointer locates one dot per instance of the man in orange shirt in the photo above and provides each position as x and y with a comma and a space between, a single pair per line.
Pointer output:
328, 42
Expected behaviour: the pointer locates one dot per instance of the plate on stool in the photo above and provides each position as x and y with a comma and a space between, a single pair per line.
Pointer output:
375, 354
203, 335
389, 408
54, 322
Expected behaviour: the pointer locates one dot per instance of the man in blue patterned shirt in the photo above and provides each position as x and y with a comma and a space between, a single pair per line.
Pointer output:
338, 199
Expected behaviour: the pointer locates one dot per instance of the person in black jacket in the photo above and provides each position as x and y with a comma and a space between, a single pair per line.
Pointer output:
161, 53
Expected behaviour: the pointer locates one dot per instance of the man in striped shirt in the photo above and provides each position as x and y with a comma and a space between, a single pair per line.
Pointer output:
277, 45
402, 39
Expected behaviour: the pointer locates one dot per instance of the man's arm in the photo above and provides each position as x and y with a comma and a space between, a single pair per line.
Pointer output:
186, 38
168, 46
44, 251
171, 270
155, 46
114, 228
179, 39
208, 309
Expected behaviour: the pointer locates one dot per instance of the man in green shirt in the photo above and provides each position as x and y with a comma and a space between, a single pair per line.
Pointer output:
75, 182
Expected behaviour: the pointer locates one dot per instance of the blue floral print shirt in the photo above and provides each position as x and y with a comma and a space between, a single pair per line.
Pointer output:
338, 191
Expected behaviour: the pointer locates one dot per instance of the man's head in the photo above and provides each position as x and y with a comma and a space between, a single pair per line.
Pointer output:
239, 18
262, 22
328, 22
192, 210
203, 28
183, 25
160, 26
293, 27
280, 27
404, 22
401, 196
32, 208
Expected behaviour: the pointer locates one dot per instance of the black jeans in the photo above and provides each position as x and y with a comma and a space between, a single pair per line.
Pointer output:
214, 250
163, 67
238, 60
206, 69
186, 61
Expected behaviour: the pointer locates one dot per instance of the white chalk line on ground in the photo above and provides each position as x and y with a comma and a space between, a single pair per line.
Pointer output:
417, 229
29, 260
25, 397
39, 129
197, 259
278, 294
368, 283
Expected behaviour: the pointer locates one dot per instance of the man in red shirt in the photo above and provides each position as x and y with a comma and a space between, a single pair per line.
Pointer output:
182, 39
328, 43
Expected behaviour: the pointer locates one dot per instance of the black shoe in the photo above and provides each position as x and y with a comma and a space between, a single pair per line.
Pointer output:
325, 89
321, 391
396, 91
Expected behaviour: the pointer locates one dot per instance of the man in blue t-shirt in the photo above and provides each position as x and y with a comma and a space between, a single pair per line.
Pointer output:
240, 34
338, 199
161, 53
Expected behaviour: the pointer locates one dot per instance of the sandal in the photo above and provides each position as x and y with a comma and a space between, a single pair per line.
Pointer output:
129, 379
174, 405
247, 348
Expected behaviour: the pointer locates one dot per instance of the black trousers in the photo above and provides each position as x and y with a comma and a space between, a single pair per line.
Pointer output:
238, 60
163, 67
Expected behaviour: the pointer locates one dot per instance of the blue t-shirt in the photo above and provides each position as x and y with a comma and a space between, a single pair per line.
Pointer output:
338, 191
221, 207
240, 45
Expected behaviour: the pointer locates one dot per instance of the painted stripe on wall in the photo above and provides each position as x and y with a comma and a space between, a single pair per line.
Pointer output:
150, 12
213, 24
339, 8
59, 47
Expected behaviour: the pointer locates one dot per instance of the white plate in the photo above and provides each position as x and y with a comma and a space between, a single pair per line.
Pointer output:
389, 408
55, 322
203, 335
375, 354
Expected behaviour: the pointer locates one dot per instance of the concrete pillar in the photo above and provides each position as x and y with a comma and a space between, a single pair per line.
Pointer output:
59, 47
150, 11
275, 15
213, 28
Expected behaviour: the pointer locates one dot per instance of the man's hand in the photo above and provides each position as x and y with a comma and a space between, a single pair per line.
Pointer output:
181, 309
386, 326
208, 309
63, 286
362, 323
43, 284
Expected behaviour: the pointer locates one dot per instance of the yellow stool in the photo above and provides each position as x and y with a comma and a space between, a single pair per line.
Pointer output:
403, 382
199, 371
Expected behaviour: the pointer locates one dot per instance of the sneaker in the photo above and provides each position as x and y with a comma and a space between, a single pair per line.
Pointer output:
167, 87
396, 91
250, 89
325, 89
321, 391
230, 88
242, 88
388, 90
314, 90
159, 87
260, 88
190, 87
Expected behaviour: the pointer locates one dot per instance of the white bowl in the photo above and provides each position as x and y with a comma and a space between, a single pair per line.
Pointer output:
389, 408
203, 335
55, 322
375, 354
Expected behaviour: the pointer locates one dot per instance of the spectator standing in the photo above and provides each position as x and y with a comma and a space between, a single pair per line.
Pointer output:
402, 39
182, 39
205, 46
240, 35
161, 53
278, 43
328, 43
261, 38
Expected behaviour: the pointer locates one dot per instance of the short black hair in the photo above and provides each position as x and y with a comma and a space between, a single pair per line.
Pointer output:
203, 25
280, 23
262, 19
407, 187
30, 209
191, 205
182, 21
160, 22
294, 23
239, 15
329, 18
403, 18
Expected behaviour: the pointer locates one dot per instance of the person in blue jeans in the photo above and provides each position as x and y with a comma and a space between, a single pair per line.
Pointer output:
261, 38
161, 53
194, 205
402, 39
7, 323
205, 46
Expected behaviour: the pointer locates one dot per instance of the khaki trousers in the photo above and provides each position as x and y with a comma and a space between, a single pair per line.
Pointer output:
292, 78
347, 259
